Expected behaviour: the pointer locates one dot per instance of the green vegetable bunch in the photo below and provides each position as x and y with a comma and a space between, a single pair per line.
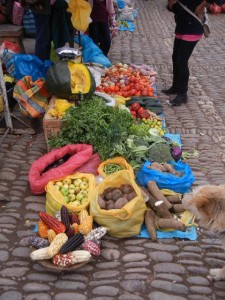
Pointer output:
95, 123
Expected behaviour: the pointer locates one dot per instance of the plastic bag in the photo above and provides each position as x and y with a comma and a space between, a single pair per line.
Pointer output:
31, 96
55, 199
124, 222
166, 180
30, 65
91, 52
80, 160
81, 11
118, 161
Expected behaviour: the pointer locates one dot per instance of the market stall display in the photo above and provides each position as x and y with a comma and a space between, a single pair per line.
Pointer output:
138, 180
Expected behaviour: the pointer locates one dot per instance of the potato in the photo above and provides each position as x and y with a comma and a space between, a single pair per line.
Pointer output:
116, 194
120, 203
108, 196
110, 205
131, 195
101, 202
126, 188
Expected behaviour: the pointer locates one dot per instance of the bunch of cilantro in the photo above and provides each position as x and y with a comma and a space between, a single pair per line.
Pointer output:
95, 123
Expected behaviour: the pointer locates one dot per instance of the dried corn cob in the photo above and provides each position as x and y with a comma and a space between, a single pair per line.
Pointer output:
38, 242
73, 243
51, 235
96, 233
71, 258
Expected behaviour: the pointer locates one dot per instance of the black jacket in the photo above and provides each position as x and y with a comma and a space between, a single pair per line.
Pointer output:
186, 23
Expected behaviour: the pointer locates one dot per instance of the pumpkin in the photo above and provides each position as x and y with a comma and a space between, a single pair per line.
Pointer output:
67, 79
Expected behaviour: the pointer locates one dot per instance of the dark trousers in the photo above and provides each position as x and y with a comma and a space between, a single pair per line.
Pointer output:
43, 36
182, 51
100, 34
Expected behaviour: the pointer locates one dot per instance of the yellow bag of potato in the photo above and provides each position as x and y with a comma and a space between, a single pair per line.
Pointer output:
119, 160
55, 199
124, 222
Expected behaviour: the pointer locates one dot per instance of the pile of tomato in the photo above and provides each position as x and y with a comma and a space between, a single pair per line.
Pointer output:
125, 81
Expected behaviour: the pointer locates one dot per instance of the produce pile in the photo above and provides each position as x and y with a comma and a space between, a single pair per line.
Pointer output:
127, 81
66, 240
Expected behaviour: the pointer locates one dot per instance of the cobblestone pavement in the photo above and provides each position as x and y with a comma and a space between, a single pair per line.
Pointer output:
129, 269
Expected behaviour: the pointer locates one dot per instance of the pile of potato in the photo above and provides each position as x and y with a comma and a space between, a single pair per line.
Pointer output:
116, 197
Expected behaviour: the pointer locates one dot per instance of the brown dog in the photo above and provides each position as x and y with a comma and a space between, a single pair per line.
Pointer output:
207, 203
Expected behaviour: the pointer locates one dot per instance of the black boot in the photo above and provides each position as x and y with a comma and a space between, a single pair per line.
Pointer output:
178, 100
170, 91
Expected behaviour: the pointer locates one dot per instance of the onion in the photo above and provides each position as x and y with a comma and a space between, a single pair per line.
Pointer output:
176, 153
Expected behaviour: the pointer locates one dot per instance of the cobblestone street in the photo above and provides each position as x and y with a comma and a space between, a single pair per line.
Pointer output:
128, 269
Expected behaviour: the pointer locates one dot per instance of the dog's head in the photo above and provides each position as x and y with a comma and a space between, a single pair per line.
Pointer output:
207, 203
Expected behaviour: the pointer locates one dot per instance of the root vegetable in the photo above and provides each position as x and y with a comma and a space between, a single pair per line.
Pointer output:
126, 188
178, 208
101, 202
170, 223
174, 198
157, 194
169, 168
150, 224
162, 210
158, 166
116, 194
108, 196
110, 205
120, 203
131, 195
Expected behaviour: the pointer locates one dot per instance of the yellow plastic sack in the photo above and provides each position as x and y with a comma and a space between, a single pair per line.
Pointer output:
81, 11
124, 222
54, 198
119, 160
120, 100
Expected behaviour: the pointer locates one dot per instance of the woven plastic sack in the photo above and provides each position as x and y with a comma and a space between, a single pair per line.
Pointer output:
31, 96
167, 180
119, 160
124, 222
80, 161
55, 200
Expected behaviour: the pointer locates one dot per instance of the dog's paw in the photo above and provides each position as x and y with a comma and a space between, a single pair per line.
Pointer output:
216, 274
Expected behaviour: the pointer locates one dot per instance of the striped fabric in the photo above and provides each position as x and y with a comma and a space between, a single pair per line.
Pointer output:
32, 97
29, 23
8, 60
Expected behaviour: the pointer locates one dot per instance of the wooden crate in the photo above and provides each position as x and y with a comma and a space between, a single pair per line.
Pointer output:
51, 124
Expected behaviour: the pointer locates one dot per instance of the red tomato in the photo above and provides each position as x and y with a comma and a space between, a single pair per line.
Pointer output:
144, 92
140, 110
133, 113
135, 106
106, 89
125, 94
137, 86
132, 78
116, 88
133, 92
112, 88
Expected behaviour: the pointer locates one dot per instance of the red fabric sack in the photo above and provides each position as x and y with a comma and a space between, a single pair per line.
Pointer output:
82, 160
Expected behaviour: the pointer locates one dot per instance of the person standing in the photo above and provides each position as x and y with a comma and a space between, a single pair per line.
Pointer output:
52, 23
188, 32
102, 16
